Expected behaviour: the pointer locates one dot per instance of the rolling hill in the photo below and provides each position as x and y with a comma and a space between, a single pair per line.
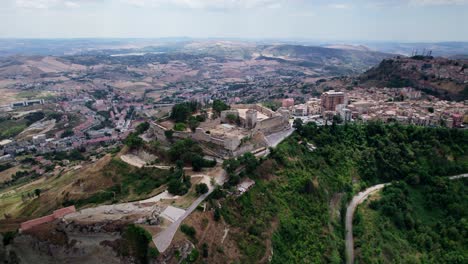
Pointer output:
441, 77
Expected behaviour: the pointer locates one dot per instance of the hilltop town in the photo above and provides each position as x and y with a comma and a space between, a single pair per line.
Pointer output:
91, 144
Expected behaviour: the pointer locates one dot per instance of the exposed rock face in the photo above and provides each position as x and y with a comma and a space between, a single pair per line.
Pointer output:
441, 77
63, 243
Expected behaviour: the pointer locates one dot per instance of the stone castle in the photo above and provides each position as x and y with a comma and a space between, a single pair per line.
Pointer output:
241, 129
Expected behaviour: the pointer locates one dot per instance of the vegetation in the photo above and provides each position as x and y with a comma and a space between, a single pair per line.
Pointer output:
188, 230
67, 133
219, 106
179, 183
414, 224
128, 180
136, 242
295, 185
133, 141
188, 151
180, 127
10, 127
142, 128
201, 188
181, 112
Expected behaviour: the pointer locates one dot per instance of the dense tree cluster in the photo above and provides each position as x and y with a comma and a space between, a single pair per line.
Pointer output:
347, 159
181, 112
416, 224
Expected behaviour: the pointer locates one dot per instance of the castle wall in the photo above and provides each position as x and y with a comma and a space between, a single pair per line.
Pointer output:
272, 125
48, 218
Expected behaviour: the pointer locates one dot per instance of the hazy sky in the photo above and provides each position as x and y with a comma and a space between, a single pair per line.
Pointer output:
397, 20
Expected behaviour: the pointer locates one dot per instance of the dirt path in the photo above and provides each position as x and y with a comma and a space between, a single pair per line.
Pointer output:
358, 199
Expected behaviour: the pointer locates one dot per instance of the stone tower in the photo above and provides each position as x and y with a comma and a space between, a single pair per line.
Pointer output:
251, 118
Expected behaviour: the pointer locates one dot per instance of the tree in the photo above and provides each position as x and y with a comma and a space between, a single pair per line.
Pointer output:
337, 119
188, 230
142, 128
197, 162
193, 123
133, 141
249, 161
180, 112
180, 127
201, 188
216, 215
219, 106
298, 124
169, 134
67, 133
37, 192
137, 242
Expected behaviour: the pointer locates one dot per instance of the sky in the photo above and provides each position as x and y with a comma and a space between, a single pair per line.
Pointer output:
360, 20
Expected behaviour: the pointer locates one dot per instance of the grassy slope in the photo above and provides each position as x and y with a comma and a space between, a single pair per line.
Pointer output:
95, 183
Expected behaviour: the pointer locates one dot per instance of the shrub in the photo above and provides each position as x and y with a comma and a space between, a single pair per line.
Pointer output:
201, 188
188, 230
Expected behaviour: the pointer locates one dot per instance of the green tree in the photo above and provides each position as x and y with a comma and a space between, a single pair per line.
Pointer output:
201, 188
137, 242
133, 141
298, 124
67, 133
142, 128
219, 106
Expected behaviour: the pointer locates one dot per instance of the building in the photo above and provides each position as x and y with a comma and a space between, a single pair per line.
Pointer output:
251, 118
330, 99
38, 139
457, 120
288, 102
301, 110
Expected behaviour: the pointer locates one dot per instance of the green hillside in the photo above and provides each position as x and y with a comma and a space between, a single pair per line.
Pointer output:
300, 195
423, 224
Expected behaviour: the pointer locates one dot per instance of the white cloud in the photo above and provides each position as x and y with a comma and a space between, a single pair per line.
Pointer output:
207, 4
37, 4
339, 6
71, 4
438, 2
45, 4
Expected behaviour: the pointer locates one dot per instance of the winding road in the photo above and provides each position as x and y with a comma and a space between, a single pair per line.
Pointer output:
358, 199
164, 239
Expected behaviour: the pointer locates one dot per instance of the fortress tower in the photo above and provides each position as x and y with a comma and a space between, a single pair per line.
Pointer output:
251, 118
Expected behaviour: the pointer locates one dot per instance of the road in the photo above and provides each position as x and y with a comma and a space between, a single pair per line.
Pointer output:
164, 239
358, 199
276, 138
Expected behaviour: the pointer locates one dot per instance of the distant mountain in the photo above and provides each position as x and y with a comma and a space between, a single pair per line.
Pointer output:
439, 49
339, 61
442, 77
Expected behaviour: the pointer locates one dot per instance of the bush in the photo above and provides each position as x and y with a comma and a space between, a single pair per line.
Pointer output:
193, 256
201, 188
8, 237
180, 127
188, 230
136, 243
205, 250
134, 141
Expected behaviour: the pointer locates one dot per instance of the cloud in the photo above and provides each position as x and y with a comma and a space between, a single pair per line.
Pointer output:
71, 4
36, 4
45, 4
208, 4
339, 6
438, 2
